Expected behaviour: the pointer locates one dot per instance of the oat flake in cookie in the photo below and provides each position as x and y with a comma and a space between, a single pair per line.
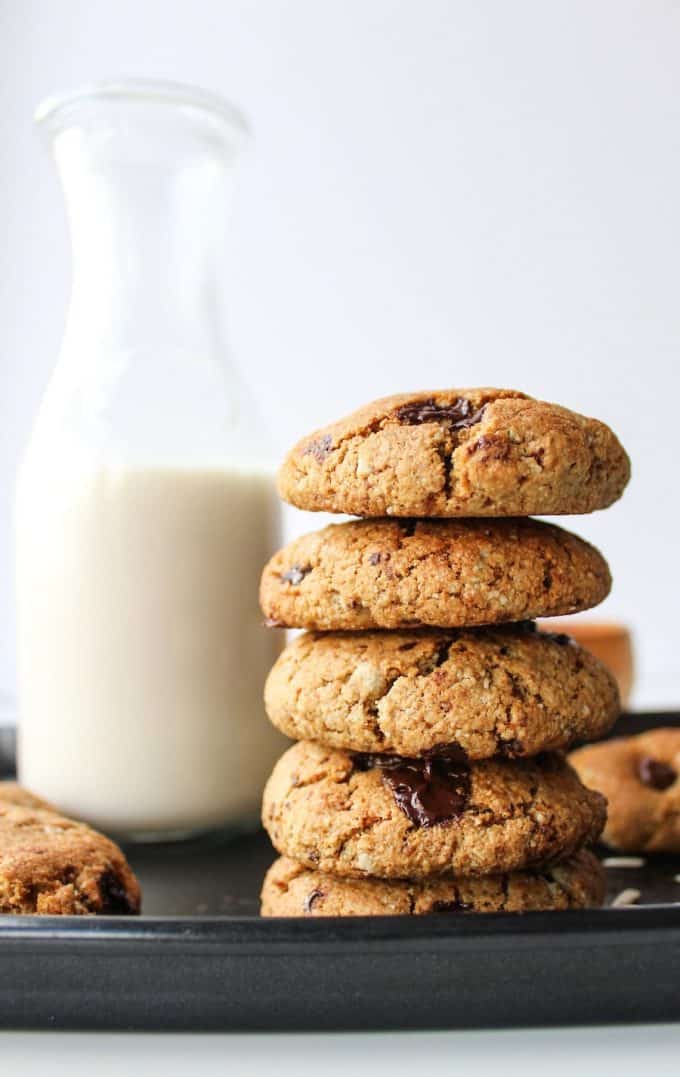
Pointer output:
457, 452
50, 865
290, 889
439, 573
510, 691
403, 818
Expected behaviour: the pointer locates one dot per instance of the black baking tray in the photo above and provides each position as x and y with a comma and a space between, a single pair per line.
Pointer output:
200, 958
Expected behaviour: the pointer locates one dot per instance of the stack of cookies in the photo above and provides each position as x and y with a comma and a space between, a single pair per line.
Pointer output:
430, 713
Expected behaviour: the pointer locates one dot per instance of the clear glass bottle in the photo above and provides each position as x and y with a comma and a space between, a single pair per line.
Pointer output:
145, 509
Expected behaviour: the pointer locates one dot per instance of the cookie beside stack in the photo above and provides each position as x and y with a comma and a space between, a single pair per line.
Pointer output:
54, 866
429, 711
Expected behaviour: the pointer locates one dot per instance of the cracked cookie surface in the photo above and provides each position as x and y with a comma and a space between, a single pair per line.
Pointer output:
442, 573
510, 691
290, 889
640, 776
335, 813
50, 865
457, 452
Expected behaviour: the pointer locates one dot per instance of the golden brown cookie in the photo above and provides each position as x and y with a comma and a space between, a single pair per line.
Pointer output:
360, 815
639, 776
509, 691
457, 452
442, 573
53, 866
290, 889
13, 793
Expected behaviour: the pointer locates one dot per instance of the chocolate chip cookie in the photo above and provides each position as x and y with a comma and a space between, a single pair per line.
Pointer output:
290, 889
509, 691
389, 817
53, 866
442, 573
640, 778
13, 793
457, 452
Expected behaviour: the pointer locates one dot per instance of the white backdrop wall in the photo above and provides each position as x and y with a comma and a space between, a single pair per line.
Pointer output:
439, 193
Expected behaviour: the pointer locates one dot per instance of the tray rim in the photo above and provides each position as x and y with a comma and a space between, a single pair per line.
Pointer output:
603, 925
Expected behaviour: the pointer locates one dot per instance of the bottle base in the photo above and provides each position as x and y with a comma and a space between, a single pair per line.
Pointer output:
219, 834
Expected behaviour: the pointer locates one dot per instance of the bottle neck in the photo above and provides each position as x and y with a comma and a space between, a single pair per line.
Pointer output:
147, 242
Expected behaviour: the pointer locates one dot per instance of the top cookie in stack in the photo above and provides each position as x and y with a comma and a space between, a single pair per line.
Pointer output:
458, 452
426, 748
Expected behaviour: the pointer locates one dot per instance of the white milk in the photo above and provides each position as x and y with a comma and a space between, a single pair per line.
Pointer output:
142, 654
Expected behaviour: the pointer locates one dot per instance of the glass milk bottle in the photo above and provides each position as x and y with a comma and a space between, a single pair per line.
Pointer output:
144, 508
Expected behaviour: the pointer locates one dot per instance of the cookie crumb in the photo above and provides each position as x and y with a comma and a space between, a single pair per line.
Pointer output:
625, 898
624, 862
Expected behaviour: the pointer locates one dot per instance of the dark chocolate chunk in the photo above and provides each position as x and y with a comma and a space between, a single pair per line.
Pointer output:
494, 448
655, 774
430, 791
296, 574
558, 637
442, 653
451, 906
114, 897
310, 900
319, 448
408, 527
457, 416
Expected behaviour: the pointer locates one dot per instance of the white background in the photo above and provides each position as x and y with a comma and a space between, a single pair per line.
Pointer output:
439, 194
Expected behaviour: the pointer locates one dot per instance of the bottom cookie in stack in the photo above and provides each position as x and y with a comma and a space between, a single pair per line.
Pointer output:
291, 889
417, 835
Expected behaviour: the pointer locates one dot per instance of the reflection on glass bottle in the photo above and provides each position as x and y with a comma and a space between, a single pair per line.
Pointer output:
145, 507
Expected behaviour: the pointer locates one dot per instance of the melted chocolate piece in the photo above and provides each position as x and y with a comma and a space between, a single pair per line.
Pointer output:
655, 774
296, 574
531, 628
457, 416
310, 900
320, 448
451, 906
408, 527
494, 448
431, 791
115, 898
558, 637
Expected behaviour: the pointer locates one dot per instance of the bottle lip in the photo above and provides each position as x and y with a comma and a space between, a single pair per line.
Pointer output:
151, 91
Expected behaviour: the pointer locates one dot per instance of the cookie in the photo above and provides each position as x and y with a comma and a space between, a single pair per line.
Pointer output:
640, 778
13, 793
443, 573
510, 691
360, 815
457, 452
53, 866
290, 889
